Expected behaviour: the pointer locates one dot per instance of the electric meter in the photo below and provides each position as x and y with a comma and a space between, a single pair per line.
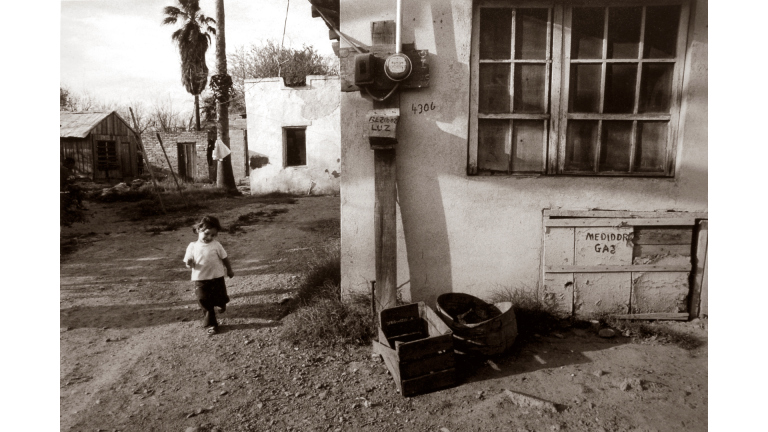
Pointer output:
397, 67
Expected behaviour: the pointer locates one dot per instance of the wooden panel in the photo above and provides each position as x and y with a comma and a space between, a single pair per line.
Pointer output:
668, 236
654, 316
601, 292
405, 327
417, 349
392, 315
390, 360
659, 292
646, 250
618, 268
559, 288
700, 270
429, 382
385, 228
603, 246
558, 246
435, 325
614, 222
622, 214
426, 365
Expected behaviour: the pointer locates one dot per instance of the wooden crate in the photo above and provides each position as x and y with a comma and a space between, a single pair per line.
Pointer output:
417, 348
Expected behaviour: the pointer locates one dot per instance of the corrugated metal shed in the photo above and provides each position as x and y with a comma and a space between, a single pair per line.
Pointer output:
79, 124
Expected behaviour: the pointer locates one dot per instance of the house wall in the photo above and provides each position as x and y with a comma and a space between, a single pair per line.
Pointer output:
271, 106
475, 234
237, 138
170, 142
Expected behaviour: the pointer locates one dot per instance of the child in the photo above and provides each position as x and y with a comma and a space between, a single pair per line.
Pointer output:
208, 260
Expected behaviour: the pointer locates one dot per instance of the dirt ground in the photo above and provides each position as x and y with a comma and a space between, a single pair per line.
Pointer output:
134, 358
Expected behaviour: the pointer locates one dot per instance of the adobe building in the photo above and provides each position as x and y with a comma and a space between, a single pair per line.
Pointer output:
558, 147
294, 135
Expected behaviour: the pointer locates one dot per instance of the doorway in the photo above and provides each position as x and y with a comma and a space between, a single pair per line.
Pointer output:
187, 161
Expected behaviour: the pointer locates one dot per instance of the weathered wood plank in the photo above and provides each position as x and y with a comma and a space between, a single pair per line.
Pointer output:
417, 349
617, 269
619, 222
390, 360
653, 316
558, 246
659, 292
396, 314
668, 236
646, 250
601, 292
429, 382
699, 272
426, 365
385, 227
623, 214
559, 286
405, 327
435, 324
603, 246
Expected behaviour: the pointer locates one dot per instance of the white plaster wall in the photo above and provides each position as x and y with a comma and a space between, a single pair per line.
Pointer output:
271, 106
474, 234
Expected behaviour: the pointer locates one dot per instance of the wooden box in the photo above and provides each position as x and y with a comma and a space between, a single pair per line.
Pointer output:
417, 348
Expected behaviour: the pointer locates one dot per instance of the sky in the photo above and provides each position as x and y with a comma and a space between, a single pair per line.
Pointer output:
118, 51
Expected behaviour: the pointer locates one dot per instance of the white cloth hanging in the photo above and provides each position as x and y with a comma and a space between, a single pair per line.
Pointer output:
220, 151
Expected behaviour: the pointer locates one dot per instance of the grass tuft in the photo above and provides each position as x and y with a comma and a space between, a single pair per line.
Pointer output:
320, 314
640, 331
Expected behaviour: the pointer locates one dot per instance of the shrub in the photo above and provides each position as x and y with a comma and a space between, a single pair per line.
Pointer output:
533, 313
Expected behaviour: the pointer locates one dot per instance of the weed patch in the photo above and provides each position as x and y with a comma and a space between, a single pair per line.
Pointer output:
319, 313
172, 225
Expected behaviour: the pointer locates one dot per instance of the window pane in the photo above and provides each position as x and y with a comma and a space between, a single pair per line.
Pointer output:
295, 147
587, 32
585, 88
531, 34
656, 87
615, 147
493, 145
580, 145
661, 24
529, 88
650, 147
495, 33
528, 145
624, 32
620, 82
494, 88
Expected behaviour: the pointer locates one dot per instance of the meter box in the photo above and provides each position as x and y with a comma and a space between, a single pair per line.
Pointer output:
382, 68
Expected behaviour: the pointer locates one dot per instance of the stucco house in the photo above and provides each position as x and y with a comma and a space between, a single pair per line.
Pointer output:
294, 135
563, 151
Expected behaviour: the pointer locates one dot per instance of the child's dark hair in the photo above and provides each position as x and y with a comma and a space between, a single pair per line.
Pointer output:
207, 222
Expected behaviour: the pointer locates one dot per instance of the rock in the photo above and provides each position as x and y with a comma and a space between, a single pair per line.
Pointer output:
591, 405
136, 183
631, 384
121, 187
224, 393
525, 401
322, 395
607, 333
493, 365
598, 373
559, 336
193, 428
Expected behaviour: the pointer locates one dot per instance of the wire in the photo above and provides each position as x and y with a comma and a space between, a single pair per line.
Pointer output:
385, 97
285, 24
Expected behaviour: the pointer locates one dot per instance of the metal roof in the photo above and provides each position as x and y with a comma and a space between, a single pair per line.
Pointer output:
79, 124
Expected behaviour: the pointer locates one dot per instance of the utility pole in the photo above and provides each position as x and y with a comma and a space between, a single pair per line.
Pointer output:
220, 84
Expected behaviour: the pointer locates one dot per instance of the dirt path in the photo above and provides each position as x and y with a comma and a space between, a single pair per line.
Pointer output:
133, 357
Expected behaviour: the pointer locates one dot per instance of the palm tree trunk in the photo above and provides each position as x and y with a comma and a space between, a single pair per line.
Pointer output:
224, 177
197, 113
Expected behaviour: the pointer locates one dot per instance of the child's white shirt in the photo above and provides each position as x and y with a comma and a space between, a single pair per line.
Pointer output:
208, 260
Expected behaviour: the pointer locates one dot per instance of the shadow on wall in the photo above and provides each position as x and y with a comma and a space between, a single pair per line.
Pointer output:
427, 244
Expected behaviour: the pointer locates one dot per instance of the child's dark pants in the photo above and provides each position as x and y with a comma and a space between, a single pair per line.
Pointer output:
210, 293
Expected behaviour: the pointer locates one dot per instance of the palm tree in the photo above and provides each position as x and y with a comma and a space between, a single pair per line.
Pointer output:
192, 38
223, 82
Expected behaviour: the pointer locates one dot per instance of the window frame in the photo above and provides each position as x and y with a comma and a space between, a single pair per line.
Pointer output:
557, 89
285, 146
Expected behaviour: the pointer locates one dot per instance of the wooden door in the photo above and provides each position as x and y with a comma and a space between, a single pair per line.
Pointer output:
187, 161
125, 159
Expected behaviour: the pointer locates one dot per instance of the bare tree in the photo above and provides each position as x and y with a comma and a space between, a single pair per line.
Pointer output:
166, 118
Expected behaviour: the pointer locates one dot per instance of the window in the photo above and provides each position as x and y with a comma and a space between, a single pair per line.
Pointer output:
576, 90
106, 156
295, 146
